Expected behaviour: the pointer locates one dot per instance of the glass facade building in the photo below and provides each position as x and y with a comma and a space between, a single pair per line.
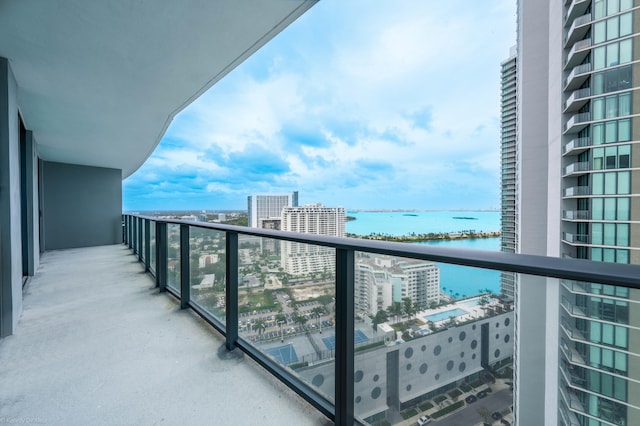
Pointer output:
600, 212
586, 55
509, 165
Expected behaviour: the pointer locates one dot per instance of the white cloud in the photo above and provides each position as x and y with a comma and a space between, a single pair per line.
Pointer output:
358, 98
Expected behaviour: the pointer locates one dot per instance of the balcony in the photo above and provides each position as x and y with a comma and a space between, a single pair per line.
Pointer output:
577, 145
577, 100
576, 214
145, 356
578, 53
577, 76
577, 191
578, 29
97, 345
578, 167
576, 239
577, 122
576, 8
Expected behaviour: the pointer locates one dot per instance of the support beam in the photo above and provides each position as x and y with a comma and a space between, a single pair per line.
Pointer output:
232, 290
344, 336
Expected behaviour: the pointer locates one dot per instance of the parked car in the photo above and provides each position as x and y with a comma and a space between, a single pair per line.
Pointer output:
471, 399
424, 420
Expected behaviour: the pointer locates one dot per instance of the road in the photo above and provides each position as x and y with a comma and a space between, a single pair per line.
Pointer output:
498, 401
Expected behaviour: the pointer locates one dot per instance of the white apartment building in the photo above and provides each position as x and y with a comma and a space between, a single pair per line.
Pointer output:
382, 280
268, 207
310, 219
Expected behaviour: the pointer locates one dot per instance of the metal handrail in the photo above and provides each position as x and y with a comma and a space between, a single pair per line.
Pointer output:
575, 269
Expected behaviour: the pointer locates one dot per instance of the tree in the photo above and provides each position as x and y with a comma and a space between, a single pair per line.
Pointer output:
280, 319
483, 302
301, 320
259, 326
409, 307
317, 312
395, 309
380, 317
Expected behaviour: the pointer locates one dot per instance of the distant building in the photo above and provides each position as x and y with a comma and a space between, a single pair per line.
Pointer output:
393, 378
207, 259
222, 217
509, 164
382, 280
189, 217
373, 290
268, 207
310, 219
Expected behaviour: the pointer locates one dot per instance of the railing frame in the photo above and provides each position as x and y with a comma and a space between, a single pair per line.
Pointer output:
342, 411
185, 270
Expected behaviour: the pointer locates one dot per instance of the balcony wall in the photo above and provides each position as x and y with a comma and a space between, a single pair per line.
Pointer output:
83, 206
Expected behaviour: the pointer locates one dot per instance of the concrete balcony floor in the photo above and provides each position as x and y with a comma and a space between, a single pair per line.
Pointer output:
97, 344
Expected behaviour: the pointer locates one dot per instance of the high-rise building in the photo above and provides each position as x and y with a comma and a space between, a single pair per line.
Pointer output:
509, 165
578, 131
310, 219
381, 280
268, 207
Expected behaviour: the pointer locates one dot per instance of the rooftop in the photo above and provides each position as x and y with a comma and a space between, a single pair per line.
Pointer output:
98, 344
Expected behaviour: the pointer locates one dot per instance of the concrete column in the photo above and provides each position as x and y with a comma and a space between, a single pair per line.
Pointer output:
10, 224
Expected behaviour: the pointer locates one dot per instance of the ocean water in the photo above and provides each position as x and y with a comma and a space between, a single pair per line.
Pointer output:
456, 281
405, 223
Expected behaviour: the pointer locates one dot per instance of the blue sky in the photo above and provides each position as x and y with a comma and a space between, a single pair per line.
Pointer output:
364, 104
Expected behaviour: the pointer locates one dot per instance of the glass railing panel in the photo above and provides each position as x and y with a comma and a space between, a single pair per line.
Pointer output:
286, 298
152, 246
432, 340
208, 270
173, 256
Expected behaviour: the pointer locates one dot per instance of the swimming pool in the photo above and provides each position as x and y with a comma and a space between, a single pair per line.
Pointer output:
446, 314
471, 303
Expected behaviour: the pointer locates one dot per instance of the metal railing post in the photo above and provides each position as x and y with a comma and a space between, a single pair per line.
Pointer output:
129, 231
147, 245
344, 337
139, 239
135, 235
185, 272
125, 232
232, 290
161, 253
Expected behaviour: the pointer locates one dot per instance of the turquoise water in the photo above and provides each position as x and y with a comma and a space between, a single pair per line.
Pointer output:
444, 315
456, 281
405, 223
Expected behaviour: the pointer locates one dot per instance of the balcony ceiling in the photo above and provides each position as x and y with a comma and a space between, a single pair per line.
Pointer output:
100, 81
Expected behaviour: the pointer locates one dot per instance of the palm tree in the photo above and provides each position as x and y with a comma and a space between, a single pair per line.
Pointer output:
409, 307
317, 312
299, 319
280, 319
259, 326
395, 309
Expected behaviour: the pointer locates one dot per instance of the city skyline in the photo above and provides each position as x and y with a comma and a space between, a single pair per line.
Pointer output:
350, 105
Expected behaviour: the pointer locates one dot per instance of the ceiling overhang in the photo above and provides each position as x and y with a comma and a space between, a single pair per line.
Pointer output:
100, 81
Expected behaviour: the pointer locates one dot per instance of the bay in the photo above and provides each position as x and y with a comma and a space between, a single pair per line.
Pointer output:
455, 281
398, 223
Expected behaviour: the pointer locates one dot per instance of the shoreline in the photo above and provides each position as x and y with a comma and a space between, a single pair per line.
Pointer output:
432, 236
